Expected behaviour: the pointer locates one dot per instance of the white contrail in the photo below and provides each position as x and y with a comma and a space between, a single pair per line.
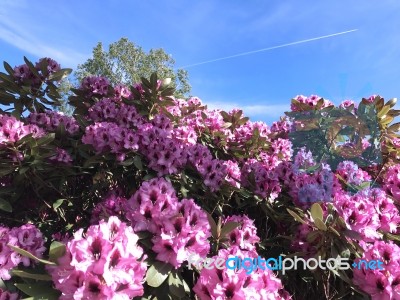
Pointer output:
267, 49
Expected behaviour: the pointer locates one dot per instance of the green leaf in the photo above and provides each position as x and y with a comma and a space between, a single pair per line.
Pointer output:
176, 286
296, 216
157, 273
137, 161
60, 74
385, 109
312, 236
228, 228
334, 231
393, 237
213, 225
320, 225
6, 78
31, 67
8, 68
184, 191
38, 291
2, 285
4, 205
25, 274
30, 255
364, 185
353, 234
149, 176
47, 139
58, 203
145, 83
153, 80
56, 251
317, 212
127, 163
394, 127
392, 102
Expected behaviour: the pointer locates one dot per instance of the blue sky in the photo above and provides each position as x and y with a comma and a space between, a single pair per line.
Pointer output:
348, 66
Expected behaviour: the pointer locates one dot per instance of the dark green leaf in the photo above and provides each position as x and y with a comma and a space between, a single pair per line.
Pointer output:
58, 203
176, 286
4, 205
56, 251
8, 68
38, 291
137, 161
60, 74
228, 228
30, 275
213, 225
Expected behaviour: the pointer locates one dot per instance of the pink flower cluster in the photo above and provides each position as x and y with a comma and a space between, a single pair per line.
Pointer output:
262, 179
112, 205
6, 295
307, 187
368, 212
348, 103
179, 228
44, 67
380, 284
108, 110
105, 262
47, 66
164, 154
244, 133
213, 171
168, 148
95, 86
233, 173
12, 130
106, 136
217, 284
310, 101
245, 236
281, 127
391, 182
351, 173
51, 120
121, 91
61, 156
26, 237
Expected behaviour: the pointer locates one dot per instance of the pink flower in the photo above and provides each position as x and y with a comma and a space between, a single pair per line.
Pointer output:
102, 265
380, 284
6, 295
245, 236
218, 284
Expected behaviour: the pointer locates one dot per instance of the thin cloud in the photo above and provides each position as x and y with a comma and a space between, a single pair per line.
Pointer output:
268, 49
18, 35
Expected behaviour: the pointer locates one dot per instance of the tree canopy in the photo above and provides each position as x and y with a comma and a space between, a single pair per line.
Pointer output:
126, 62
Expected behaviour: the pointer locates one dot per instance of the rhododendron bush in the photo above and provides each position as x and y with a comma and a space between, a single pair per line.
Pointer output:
114, 201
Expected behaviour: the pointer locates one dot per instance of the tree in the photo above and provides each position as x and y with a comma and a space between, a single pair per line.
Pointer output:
125, 62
